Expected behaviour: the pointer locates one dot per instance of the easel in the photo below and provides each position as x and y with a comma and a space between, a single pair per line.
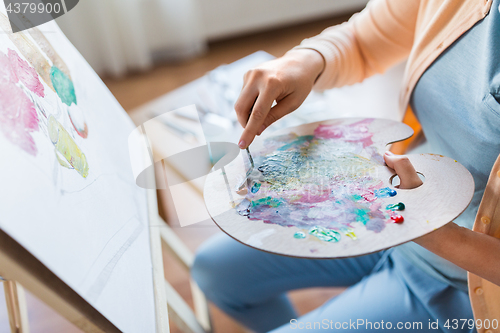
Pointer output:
16, 307
20, 268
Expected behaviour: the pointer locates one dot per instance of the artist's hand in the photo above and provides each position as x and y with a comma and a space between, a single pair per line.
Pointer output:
287, 80
409, 179
404, 169
473, 251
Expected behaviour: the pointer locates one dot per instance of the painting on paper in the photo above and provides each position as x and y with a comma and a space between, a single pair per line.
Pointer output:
68, 194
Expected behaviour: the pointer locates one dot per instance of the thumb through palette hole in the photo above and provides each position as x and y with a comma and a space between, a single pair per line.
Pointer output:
395, 181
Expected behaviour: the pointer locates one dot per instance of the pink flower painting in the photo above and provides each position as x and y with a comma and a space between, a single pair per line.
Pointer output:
18, 117
26, 73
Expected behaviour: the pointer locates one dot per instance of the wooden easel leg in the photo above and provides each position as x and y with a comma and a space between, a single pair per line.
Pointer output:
201, 309
16, 307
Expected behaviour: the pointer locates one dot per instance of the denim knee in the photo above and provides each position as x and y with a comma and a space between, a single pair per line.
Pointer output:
208, 270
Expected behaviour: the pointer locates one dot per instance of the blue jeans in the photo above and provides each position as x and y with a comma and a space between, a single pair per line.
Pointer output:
384, 289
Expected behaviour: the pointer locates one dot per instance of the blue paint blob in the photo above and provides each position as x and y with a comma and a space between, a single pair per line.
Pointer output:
299, 235
255, 187
385, 192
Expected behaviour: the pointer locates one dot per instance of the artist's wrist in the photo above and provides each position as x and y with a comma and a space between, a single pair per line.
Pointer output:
311, 59
435, 241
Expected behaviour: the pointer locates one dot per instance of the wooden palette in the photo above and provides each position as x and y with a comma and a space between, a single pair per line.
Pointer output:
446, 192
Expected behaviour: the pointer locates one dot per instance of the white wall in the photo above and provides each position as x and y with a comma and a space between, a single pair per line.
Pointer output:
227, 18
116, 36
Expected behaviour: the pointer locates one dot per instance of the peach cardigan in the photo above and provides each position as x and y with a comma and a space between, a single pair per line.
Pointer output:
387, 32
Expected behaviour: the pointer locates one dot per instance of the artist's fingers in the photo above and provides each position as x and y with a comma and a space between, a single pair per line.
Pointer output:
245, 102
258, 115
282, 108
404, 169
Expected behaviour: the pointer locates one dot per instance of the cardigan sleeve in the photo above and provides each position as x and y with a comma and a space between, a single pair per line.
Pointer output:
370, 42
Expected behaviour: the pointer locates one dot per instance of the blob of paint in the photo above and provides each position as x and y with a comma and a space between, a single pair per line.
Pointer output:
18, 117
362, 215
299, 235
26, 73
349, 233
324, 234
269, 201
255, 187
397, 218
67, 148
63, 86
385, 192
357, 197
244, 207
398, 206
78, 120
369, 197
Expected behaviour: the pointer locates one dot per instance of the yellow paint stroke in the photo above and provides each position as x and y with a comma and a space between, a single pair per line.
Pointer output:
350, 233
67, 147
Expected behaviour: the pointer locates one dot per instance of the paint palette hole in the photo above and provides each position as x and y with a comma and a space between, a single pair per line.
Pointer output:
395, 181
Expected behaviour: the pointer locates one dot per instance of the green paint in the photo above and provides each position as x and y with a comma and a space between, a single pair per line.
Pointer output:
63, 86
357, 197
297, 142
299, 235
398, 206
271, 202
362, 216
324, 234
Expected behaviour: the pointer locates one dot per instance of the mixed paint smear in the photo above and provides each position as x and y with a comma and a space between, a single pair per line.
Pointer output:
324, 184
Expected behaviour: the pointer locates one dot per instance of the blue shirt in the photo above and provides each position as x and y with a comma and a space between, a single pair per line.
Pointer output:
457, 101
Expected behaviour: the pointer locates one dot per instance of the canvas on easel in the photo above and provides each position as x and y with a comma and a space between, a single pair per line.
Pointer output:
68, 196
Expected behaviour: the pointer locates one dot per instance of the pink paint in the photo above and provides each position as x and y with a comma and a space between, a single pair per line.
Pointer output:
18, 117
26, 73
369, 196
329, 131
311, 197
7, 74
356, 132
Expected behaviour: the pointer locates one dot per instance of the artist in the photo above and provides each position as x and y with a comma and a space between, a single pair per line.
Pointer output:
452, 83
